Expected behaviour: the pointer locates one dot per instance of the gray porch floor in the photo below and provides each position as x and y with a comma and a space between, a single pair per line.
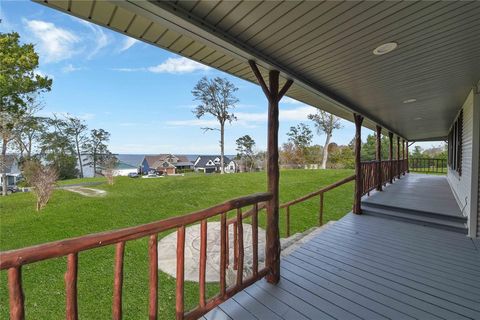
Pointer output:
368, 267
418, 192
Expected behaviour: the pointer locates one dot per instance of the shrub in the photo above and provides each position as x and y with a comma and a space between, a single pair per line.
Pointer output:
42, 179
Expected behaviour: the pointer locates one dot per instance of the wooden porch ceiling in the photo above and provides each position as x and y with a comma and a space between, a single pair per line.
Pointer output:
326, 47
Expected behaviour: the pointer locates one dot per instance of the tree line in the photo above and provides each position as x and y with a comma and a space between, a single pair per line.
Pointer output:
62, 143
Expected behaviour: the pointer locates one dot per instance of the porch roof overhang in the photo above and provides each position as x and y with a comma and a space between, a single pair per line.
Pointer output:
325, 47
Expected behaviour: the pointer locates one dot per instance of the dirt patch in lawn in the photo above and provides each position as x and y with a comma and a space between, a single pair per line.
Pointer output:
87, 192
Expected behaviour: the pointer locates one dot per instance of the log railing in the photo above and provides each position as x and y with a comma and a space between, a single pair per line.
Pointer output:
427, 165
14, 260
320, 193
389, 171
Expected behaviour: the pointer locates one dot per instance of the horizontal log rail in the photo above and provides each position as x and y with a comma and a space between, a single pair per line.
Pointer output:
427, 165
13, 260
320, 193
390, 170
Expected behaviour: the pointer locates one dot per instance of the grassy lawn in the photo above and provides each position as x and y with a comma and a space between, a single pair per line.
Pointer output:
131, 202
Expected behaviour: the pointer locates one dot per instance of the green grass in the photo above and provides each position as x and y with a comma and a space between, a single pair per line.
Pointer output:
131, 202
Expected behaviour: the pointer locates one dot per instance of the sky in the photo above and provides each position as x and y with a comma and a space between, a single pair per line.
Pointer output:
139, 93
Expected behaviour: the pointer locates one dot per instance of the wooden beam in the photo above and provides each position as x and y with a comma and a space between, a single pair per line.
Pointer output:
259, 76
272, 246
403, 156
379, 158
390, 155
398, 157
285, 88
408, 166
357, 209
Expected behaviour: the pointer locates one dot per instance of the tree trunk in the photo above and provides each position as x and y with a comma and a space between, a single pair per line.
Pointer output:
325, 151
222, 147
4, 167
79, 157
94, 161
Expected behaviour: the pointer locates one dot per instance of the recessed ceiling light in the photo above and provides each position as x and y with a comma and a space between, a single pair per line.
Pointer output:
409, 100
417, 118
385, 48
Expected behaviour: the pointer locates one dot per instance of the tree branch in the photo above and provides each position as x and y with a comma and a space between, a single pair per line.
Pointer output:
209, 129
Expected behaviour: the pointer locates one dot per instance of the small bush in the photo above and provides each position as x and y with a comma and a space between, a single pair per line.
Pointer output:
42, 179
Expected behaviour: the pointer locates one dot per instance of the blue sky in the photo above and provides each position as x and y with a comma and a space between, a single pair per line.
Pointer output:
141, 94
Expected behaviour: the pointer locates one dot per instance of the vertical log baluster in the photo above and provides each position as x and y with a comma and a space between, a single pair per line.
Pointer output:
255, 239
203, 261
118, 281
287, 209
235, 246
320, 216
227, 246
153, 275
240, 247
16, 293
179, 306
71, 287
223, 254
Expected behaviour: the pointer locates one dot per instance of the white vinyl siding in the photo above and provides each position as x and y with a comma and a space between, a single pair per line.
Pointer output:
461, 184
465, 185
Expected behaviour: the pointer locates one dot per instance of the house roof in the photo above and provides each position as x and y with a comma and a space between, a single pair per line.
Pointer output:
152, 159
203, 161
326, 48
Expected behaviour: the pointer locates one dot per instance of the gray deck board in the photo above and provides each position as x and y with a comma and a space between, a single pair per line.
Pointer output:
423, 192
367, 267
425, 270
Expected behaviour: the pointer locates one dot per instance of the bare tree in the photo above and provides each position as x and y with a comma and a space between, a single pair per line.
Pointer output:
109, 169
42, 179
325, 123
216, 97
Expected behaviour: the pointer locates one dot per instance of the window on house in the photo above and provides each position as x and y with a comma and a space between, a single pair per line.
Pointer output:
455, 145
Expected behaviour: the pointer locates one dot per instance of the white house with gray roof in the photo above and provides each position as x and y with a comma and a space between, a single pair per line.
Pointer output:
211, 164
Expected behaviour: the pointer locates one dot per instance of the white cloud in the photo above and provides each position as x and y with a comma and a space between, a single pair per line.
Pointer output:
129, 69
54, 43
297, 114
70, 68
128, 43
101, 39
179, 65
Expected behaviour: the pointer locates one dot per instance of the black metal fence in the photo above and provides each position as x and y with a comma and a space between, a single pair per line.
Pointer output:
427, 165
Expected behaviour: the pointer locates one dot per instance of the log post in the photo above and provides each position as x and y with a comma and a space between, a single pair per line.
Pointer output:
390, 155
379, 158
398, 157
408, 165
358, 166
272, 245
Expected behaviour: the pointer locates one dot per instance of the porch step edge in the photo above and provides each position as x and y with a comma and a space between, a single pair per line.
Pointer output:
459, 227
430, 214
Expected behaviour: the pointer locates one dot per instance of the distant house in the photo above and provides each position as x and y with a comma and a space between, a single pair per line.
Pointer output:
11, 168
210, 164
165, 163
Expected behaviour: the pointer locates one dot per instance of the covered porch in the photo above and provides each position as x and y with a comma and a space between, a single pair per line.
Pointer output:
368, 267
418, 198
